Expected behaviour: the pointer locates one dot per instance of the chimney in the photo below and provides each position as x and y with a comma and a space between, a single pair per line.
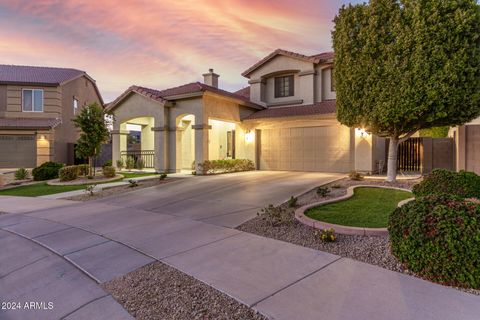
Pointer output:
211, 78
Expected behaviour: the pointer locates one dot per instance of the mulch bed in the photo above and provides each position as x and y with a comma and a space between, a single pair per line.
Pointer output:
122, 189
158, 291
369, 249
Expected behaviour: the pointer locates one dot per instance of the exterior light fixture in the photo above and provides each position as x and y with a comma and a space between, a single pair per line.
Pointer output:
249, 136
42, 137
361, 132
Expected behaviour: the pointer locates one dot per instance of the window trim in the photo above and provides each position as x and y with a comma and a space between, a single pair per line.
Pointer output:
75, 106
291, 88
33, 99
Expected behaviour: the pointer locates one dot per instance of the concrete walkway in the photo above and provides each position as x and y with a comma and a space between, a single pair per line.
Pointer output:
281, 280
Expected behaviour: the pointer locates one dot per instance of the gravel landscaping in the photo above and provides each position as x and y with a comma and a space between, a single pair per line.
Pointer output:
112, 191
157, 291
369, 249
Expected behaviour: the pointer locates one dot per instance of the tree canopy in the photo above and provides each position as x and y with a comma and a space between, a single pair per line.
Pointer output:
92, 123
405, 65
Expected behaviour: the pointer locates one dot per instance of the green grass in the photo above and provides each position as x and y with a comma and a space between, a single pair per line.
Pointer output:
369, 207
130, 175
38, 189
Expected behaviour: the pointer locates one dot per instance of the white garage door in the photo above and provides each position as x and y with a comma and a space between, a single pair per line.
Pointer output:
18, 151
324, 149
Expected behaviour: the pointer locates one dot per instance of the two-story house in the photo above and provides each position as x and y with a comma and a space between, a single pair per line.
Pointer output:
36, 108
284, 120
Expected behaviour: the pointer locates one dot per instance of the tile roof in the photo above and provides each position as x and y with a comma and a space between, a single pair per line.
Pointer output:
245, 92
317, 58
168, 94
324, 107
12, 74
29, 123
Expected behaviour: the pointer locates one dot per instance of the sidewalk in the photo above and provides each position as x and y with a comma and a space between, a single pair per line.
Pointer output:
101, 186
279, 279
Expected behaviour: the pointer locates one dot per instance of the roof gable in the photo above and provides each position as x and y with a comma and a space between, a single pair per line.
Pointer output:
318, 58
12, 74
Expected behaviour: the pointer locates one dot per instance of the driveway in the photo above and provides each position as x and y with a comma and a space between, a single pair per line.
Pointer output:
182, 225
225, 200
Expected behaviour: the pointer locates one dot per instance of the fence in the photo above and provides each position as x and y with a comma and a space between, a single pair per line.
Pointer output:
148, 157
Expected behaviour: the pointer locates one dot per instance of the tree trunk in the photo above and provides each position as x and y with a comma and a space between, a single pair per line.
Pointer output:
91, 168
392, 160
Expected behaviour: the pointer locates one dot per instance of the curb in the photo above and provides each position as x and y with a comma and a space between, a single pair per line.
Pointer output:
362, 231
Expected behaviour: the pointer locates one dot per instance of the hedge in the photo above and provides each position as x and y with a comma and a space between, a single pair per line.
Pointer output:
108, 171
440, 181
46, 171
438, 237
226, 166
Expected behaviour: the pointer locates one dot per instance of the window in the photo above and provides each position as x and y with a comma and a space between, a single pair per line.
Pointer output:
32, 100
284, 86
332, 80
75, 106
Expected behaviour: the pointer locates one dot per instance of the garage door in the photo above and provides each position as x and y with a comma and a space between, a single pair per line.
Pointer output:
18, 151
305, 149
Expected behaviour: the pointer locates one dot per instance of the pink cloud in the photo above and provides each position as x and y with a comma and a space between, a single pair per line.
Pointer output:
160, 43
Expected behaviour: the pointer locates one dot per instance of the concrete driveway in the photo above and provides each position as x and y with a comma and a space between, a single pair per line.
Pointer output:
225, 200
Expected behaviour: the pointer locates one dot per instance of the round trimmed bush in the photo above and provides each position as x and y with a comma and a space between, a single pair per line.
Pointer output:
46, 171
108, 171
440, 181
438, 237
68, 173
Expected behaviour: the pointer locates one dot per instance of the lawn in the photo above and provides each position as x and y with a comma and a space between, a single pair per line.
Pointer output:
369, 207
38, 189
130, 175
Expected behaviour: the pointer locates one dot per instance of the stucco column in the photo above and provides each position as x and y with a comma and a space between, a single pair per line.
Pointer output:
161, 148
460, 148
201, 144
119, 143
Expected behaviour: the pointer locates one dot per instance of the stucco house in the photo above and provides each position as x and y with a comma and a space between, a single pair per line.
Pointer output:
284, 120
36, 108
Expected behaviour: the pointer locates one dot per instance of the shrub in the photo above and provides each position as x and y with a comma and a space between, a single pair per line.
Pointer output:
107, 163
132, 183
140, 164
68, 173
274, 215
438, 237
440, 181
163, 176
326, 235
323, 191
48, 170
292, 202
22, 174
226, 166
354, 175
120, 164
90, 189
336, 186
83, 169
130, 163
108, 171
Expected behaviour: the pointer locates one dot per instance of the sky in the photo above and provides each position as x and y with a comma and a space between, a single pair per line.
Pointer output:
161, 43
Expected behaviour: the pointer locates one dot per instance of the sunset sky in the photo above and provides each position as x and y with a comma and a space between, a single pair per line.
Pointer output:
160, 43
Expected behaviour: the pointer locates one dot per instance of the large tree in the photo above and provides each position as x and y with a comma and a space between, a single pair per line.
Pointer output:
93, 125
405, 65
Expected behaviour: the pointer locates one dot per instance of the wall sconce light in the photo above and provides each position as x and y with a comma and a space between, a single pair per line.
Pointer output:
42, 137
361, 132
249, 136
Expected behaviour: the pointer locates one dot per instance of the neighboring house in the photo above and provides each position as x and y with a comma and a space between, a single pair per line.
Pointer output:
36, 108
285, 120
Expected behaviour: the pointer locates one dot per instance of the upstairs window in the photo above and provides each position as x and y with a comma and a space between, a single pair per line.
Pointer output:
284, 86
75, 106
32, 100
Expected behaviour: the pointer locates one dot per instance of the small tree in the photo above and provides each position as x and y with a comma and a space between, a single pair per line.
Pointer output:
94, 132
405, 65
